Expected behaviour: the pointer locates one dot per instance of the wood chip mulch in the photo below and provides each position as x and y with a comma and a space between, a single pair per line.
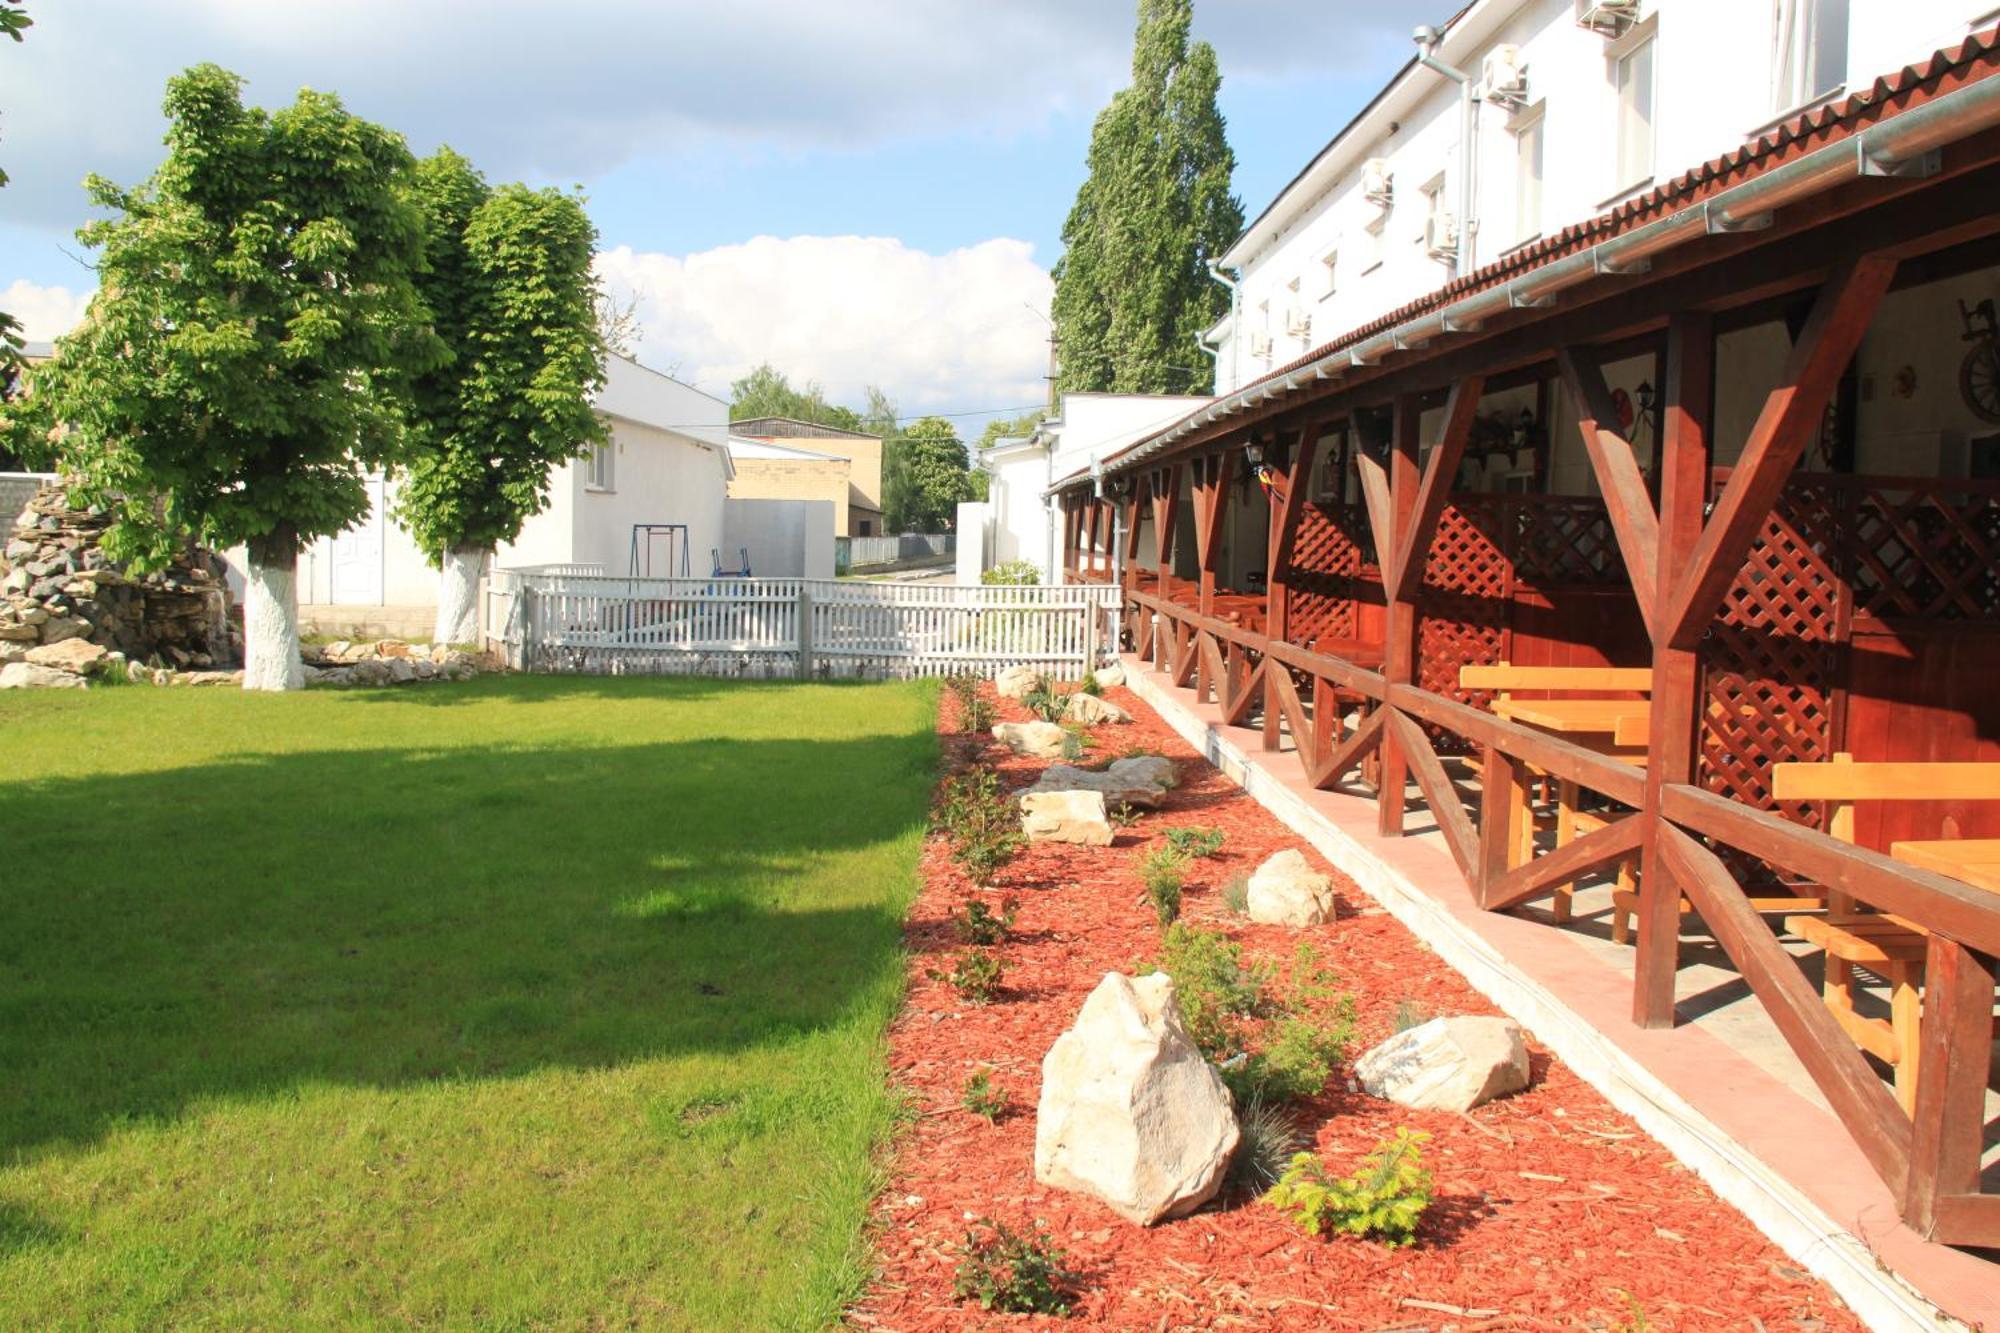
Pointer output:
1552, 1210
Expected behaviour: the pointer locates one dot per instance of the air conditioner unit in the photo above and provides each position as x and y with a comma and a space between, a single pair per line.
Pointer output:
1298, 323
1441, 236
1378, 184
1607, 18
1505, 77
1260, 344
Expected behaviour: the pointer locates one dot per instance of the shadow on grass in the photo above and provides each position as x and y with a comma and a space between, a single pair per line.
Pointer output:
384, 917
530, 689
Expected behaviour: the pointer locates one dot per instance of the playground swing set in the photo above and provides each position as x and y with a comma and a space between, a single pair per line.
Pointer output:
670, 541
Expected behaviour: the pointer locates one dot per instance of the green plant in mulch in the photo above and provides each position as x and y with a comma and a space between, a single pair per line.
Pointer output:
976, 713
1236, 895
1091, 686
1010, 1273
1410, 1014
1385, 1198
1124, 814
1266, 1048
1162, 873
976, 923
1076, 741
1269, 1140
1046, 701
975, 975
983, 1098
1196, 842
981, 822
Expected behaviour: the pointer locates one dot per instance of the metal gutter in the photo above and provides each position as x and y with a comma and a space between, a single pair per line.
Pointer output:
1902, 145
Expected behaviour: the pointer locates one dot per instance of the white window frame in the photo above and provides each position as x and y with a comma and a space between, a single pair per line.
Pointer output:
1644, 37
1796, 79
1433, 193
1533, 120
1330, 273
1372, 245
601, 468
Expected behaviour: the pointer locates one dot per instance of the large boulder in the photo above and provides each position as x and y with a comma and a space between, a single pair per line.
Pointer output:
1130, 1112
78, 655
28, 676
1286, 891
1447, 1064
1017, 682
1066, 816
1142, 780
1037, 740
1090, 710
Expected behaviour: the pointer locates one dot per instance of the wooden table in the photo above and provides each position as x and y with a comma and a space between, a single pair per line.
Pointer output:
1976, 861
1588, 717
1616, 727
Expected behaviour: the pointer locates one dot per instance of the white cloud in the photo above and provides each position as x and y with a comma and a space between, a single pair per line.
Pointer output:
44, 313
960, 331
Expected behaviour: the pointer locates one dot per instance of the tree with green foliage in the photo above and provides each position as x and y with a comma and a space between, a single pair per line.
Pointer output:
1010, 428
1132, 288
511, 293
13, 22
935, 477
250, 348
767, 392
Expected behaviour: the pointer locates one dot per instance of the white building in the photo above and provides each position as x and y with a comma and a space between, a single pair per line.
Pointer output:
1570, 108
1020, 522
666, 463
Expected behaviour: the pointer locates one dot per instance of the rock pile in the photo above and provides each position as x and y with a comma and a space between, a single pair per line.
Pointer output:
385, 662
57, 585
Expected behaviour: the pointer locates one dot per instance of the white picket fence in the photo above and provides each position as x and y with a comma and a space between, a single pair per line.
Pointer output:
593, 623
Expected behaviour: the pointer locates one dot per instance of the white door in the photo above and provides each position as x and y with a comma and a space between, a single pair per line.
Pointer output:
357, 555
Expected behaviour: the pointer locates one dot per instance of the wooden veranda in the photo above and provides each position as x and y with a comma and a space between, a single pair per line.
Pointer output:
1324, 551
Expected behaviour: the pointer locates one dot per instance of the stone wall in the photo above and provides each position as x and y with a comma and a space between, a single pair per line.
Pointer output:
56, 584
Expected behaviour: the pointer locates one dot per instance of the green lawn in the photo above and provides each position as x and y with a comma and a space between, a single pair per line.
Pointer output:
518, 1004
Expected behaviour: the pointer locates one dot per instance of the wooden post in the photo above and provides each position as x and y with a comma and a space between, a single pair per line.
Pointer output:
1166, 497
1399, 666
1685, 446
1277, 573
1952, 1072
805, 633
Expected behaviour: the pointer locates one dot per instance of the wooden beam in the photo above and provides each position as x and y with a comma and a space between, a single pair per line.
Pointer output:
1793, 411
1857, 1096
1446, 807
1399, 664
1381, 516
1627, 502
1503, 803
1412, 543
1559, 758
1573, 859
1278, 567
1344, 756
1687, 414
1166, 496
1953, 1065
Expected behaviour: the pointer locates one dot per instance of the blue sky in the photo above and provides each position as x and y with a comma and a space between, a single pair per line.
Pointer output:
907, 163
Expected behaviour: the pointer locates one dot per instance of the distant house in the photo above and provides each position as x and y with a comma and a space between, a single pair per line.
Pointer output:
782, 469
649, 501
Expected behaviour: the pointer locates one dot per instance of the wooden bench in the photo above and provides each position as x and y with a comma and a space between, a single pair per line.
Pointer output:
1503, 680
1850, 935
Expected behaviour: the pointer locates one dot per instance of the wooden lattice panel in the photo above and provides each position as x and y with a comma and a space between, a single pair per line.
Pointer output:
1929, 552
1464, 604
1327, 556
1561, 541
1770, 659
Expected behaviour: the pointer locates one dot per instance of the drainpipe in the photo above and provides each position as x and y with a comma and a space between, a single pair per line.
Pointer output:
1235, 286
1468, 145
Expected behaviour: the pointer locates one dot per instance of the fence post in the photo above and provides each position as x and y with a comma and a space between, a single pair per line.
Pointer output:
1090, 612
805, 632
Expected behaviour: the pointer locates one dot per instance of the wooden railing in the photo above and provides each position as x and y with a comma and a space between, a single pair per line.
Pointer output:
1930, 1161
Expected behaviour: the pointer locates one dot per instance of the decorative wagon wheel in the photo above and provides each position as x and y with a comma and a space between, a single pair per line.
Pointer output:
1979, 373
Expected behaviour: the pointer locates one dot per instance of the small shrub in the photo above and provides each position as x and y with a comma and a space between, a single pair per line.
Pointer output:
1090, 686
1076, 741
1385, 1198
1297, 1059
976, 923
1214, 988
1008, 1272
1161, 871
1198, 843
1045, 701
976, 713
983, 825
984, 1100
1270, 1139
1236, 895
976, 975
1012, 573
1410, 1014
1124, 814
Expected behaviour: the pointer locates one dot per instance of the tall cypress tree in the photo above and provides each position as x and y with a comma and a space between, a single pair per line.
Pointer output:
1132, 291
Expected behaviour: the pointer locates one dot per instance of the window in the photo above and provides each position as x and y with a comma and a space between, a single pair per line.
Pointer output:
1434, 209
1329, 274
867, 527
603, 472
1809, 51
1632, 76
1528, 175
1371, 245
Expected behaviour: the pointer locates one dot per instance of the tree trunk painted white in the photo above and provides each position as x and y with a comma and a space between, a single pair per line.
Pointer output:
271, 627
458, 595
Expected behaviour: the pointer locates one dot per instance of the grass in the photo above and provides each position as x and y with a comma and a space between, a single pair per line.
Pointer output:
517, 1003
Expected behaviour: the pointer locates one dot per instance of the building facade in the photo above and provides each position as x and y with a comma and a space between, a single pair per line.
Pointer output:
777, 473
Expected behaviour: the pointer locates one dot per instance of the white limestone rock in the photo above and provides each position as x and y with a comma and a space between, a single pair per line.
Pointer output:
1447, 1064
1130, 1112
1017, 682
1142, 780
1286, 891
78, 655
1066, 816
1109, 678
1090, 710
1037, 740
29, 676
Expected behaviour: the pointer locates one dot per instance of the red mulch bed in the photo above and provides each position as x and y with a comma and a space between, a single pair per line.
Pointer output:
1553, 1210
